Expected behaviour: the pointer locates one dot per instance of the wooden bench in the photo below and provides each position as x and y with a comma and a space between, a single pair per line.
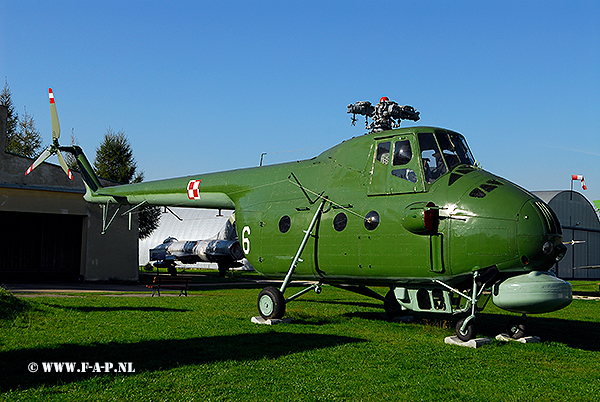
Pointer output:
170, 282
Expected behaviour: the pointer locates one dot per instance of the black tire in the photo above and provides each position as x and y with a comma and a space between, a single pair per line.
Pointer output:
391, 306
516, 327
271, 303
469, 332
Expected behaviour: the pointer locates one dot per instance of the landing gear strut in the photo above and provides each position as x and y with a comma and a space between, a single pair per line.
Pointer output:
466, 329
271, 303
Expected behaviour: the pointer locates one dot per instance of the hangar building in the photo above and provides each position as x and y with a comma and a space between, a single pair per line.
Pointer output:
49, 233
579, 221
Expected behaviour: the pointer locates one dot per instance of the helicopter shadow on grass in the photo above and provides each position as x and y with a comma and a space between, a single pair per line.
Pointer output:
346, 303
575, 334
307, 319
153, 355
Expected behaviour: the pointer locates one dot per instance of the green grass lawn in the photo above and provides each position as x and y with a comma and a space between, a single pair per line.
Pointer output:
339, 346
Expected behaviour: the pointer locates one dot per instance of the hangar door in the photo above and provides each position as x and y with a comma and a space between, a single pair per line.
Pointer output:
40, 247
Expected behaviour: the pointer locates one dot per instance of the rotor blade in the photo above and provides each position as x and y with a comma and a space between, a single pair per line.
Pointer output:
573, 242
63, 164
53, 116
47, 152
588, 267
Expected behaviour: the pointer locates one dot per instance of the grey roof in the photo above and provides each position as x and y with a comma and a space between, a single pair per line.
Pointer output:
572, 208
547, 196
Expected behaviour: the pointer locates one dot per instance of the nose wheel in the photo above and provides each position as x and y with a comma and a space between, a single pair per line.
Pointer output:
465, 328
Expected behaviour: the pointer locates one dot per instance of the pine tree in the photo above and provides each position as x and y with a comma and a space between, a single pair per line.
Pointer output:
114, 161
114, 158
12, 119
149, 216
22, 138
69, 158
27, 141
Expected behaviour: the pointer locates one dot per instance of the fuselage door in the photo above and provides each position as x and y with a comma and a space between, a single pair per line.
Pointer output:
395, 168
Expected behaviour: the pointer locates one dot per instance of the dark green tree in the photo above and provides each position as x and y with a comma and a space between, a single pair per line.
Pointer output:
149, 216
114, 158
27, 141
12, 120
114, 161
69, 158
22, 138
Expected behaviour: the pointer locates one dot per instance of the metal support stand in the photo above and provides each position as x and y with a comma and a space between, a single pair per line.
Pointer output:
296, 259
316, 287
105, 216
106, 225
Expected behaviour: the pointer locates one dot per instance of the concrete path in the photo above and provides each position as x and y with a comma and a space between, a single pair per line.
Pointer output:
32, 289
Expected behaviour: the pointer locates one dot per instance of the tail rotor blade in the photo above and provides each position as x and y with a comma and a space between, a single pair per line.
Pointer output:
54, 116
63, 164
47, 153
55, 147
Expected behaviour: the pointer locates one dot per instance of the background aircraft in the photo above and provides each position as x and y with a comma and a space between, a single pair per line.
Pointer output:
405, 209
224, 249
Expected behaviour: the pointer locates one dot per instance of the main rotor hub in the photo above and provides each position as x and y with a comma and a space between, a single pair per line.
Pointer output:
386, 114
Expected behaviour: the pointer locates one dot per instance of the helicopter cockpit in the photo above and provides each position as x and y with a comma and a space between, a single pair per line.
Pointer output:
409, 162
442, 151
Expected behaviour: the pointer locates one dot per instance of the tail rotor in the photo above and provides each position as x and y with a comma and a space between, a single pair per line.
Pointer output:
55, 147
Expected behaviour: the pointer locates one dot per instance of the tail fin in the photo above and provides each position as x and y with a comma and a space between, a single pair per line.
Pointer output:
87, 172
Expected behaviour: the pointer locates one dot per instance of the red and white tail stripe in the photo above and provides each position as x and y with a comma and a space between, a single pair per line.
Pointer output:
51, 95
579, 177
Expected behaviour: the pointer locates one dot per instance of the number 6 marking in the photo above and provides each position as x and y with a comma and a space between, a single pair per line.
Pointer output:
245, 240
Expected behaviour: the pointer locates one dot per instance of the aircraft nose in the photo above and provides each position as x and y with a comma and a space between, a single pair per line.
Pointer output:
539, 236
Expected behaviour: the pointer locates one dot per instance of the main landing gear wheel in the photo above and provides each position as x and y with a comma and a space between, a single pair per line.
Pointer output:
391, 306
516, 327
468, 333
271, 303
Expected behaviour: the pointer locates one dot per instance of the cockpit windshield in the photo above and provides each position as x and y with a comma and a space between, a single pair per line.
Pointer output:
454, 149
441, 152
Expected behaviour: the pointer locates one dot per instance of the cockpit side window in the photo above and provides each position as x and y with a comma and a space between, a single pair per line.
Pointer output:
396, 166
402, 156
383, 152
433, 161
402, 153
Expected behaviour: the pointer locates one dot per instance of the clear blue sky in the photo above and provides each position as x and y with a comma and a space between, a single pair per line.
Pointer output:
201, 86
